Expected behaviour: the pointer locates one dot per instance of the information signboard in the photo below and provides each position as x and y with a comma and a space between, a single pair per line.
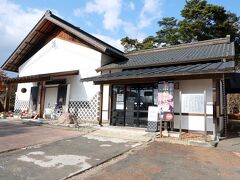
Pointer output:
192, 103
152, 113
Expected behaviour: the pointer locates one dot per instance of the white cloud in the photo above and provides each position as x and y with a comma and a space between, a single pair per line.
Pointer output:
110, 9
114, 42
133, 31
150, 11
131, 5
78, 12
15, 23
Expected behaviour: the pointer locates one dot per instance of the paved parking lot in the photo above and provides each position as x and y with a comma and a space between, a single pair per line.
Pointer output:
65, 152
60, 159
15, 135
57, 153
171, 161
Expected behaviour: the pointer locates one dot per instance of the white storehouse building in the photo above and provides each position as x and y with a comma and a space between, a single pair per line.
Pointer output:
51, 61
60, 65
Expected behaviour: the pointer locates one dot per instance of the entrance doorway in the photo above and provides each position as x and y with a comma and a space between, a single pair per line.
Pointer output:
130, 104
138, 98
50, 97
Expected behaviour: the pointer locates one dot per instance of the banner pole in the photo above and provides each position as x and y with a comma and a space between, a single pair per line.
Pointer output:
180, 114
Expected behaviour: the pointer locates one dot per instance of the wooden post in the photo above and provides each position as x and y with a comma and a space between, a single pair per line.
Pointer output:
205, 112
160, 125
180, 114
7, 98
216, 105
224, 99
42, 98
101, 104
110, 104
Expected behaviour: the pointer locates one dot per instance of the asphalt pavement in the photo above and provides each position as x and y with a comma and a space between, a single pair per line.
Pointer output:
164, 161
62, 158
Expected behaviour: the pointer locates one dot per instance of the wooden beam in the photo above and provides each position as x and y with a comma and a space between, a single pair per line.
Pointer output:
42, 98
159, 77
7, 98
214, 97
224, 99
109, 102
101, 104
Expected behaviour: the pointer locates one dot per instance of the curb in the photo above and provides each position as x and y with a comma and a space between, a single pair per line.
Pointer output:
48, 125
187, 142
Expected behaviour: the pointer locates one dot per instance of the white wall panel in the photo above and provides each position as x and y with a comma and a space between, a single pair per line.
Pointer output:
194, 87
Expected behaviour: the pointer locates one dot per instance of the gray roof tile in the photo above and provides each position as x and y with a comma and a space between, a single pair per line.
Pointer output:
173, 70
196, 52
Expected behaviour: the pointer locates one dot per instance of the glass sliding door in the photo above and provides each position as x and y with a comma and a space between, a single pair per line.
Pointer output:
138, 98
131, 115
118, 105
130, 104
145, 100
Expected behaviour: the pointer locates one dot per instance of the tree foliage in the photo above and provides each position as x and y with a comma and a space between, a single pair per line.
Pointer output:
201, 21
204, 21
169, 32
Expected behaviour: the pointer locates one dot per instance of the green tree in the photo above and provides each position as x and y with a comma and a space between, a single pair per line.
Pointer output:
149, 43
129, 44
204, 21
169, 31
201, 21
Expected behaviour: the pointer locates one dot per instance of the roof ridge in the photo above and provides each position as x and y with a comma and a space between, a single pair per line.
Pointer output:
179, 46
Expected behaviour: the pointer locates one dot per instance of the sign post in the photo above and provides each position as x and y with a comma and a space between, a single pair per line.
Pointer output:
165, 102
180, 114
152, 119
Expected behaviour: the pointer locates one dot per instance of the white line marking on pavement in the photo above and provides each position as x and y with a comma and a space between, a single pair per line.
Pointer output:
105, 145
104, 139
39, 158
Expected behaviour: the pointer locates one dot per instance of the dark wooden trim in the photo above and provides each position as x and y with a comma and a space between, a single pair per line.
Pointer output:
7, 98
216, 105
40, 77
42, 98
224, 99
109, 102
192, 114
139, 80
101, 104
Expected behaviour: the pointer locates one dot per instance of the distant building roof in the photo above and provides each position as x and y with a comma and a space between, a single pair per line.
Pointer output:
208, 50
40, 34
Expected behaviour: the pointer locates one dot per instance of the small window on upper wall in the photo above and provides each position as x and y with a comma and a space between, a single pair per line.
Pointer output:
23, 90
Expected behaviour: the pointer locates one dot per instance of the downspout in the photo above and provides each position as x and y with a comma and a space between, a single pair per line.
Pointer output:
224, 106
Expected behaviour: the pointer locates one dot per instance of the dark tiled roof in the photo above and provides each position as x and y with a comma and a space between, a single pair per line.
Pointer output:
193, 52
167, 71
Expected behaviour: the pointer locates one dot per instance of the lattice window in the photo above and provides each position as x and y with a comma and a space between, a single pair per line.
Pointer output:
20, 105
85, 110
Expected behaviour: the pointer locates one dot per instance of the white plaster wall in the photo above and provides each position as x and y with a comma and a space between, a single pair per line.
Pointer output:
194, 87
24, 96
105, 102
81, 91
59, 56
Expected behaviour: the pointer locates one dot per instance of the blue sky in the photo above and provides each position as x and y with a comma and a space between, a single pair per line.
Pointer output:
110, 20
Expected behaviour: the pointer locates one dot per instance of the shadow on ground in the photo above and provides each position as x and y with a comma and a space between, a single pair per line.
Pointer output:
232, 141
11, 128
